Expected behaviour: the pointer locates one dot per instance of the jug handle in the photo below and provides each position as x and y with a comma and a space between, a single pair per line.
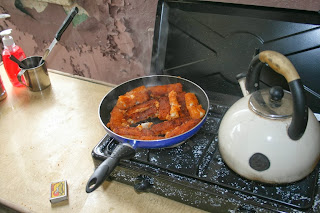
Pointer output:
281, 64
22, 71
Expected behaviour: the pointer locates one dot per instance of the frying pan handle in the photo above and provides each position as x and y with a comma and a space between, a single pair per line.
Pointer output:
122, 151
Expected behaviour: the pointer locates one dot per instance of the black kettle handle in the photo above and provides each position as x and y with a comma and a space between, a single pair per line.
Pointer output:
122, 151
281, 64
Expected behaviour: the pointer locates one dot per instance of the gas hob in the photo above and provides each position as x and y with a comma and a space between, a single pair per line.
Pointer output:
195, 174
210, 43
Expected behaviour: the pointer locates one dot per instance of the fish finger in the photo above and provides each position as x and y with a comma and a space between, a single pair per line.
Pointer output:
186, 126
162, 90
182, 102
195, 109
133, 131
166, 126
174, 106
143, 106
164, 108
151, 112
117, 118
133, 97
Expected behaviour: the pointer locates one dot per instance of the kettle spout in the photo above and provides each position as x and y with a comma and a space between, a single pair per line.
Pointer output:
242, 82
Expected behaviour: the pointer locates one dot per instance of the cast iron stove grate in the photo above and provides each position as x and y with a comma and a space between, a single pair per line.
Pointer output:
194, 173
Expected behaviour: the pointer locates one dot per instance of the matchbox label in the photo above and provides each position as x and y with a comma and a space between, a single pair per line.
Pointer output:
58, 189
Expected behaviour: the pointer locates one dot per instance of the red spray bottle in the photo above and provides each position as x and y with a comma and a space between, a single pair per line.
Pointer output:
10, 48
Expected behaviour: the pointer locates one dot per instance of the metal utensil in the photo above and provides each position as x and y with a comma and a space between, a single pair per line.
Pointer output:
21, 64
61, 30
36, 78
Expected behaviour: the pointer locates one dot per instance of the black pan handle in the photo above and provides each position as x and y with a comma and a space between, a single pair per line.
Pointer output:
122, 151
66, 23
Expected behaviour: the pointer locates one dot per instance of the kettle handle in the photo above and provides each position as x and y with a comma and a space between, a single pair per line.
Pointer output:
281, 64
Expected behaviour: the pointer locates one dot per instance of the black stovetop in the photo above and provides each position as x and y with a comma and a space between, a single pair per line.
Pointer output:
210, 43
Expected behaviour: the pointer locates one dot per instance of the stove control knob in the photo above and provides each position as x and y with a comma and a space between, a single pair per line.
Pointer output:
143, 183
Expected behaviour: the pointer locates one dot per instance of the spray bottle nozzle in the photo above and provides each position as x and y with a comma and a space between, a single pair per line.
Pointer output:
6, 32
7, 39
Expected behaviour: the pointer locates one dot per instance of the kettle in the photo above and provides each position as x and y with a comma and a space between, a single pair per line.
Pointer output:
270, 135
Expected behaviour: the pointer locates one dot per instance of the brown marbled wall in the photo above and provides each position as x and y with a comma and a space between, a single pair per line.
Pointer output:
110, 40
112, 44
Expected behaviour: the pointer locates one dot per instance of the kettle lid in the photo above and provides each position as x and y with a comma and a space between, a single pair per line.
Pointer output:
274, 103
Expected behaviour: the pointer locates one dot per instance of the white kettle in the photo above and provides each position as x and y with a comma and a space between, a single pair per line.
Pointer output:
270, 135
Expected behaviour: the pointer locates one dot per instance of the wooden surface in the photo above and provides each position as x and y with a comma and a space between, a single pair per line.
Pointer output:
48, 136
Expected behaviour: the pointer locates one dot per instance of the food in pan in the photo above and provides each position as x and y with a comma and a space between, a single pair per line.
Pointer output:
194, 108
174, 105
155, 113
163, 90
133, 97
182, 128
164, 108
167, 126
117, 118
143, 111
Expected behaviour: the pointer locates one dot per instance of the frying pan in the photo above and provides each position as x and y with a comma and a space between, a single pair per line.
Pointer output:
127, 146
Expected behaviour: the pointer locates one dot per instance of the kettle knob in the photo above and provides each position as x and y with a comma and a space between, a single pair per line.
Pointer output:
276, 93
